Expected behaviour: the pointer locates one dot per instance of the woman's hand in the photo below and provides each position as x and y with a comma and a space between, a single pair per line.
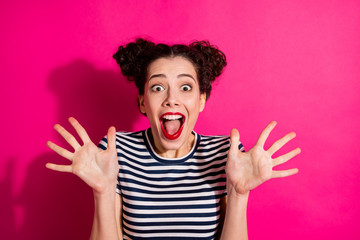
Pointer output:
94, 166
247, 170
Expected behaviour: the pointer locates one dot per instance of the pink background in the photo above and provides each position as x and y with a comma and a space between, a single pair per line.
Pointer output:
297, 62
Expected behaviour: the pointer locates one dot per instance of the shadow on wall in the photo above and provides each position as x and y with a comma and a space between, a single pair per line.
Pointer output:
7, 209
59, 205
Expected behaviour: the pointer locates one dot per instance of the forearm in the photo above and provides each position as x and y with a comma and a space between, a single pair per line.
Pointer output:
105, 223
235, 224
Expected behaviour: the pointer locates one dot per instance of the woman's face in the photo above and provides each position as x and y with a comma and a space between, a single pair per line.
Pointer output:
172, 102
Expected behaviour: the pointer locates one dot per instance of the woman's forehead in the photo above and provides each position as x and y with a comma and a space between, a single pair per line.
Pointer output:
171, 66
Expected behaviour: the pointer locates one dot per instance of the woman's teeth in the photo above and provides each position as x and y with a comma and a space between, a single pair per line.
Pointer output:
172, 117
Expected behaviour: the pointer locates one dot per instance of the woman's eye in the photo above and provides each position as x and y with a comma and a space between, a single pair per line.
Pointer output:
186, 88
157, 88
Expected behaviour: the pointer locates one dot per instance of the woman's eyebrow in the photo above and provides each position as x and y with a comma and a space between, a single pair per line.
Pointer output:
186, 75
157, 75
179, 76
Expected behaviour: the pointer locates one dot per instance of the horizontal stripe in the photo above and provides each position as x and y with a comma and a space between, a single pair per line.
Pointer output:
170, 223
151, 221
172, 230
168, 184
185, 195
217, 185
171, 215
161, 207
171, 198
167, 211
172, 192
166, 236
169, 178
174, 203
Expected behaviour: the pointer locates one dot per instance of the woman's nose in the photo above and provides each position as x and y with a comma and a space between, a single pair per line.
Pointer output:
171, 99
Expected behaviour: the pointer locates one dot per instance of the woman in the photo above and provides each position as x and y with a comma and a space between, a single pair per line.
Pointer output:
171, 183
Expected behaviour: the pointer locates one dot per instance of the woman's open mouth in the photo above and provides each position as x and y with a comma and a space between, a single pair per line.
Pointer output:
172, 124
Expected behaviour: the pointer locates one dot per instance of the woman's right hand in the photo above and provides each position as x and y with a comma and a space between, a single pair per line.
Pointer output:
96, 167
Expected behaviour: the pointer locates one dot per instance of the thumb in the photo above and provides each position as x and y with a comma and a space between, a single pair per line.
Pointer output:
111, 138
234, 139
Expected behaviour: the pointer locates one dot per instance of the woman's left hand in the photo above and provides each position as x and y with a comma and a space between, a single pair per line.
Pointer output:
247, 170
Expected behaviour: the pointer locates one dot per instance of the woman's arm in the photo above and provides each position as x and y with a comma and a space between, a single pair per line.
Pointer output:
247, 170
235, 224
107, 216
97, 168
118, 214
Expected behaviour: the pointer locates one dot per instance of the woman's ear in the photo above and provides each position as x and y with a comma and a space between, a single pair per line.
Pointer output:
202, 101
141, 104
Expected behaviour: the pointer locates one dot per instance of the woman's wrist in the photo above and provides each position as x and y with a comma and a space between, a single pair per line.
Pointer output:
105, 190
237, 200
232, 194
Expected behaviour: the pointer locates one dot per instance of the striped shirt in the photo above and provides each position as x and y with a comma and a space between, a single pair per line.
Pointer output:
170, 198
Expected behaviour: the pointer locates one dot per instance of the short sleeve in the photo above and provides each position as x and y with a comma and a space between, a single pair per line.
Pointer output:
103, 143
241, 147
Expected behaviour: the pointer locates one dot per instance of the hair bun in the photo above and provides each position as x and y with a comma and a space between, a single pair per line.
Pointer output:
214, 58
129, 58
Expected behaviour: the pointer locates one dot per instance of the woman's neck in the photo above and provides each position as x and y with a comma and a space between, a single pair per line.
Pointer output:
173, 153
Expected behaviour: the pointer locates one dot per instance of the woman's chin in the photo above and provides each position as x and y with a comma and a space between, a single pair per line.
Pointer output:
183, 142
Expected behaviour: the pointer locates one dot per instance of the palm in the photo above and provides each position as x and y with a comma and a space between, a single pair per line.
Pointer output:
247, 170
96, 167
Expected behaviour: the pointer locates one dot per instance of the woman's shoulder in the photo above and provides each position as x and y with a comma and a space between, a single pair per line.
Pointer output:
214, 138
217, 141
124, 136
209, 141
130, 134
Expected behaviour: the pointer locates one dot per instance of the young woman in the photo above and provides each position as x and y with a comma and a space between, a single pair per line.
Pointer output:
168, 182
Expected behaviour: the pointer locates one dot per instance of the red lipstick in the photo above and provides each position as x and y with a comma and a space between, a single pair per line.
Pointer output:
178, 132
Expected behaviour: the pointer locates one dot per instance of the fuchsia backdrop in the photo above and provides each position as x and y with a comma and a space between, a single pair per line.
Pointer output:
296, 62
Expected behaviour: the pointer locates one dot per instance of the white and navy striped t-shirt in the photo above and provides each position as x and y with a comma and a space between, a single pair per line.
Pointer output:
170, 198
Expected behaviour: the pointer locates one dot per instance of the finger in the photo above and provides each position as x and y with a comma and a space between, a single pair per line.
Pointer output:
80, 130
284, 173
111, 136
234, 139
59, 168
286, 157
59, 150
265, 133
280, 143
67, 136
